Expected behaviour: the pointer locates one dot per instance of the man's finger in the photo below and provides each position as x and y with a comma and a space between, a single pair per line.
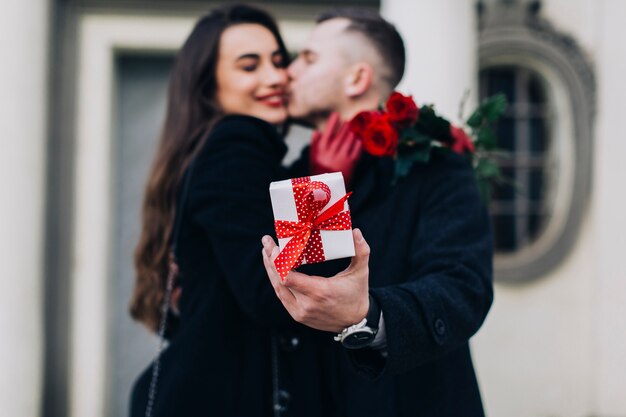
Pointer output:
268, 244
350, 141
361, 250
356, 146
328, 135
304, 284
286, 296
315, 137
270, 268
341, 139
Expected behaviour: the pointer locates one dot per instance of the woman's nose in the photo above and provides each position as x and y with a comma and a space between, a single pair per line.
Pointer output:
276, 76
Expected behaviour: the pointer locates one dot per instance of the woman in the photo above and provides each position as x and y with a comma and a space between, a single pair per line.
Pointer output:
219, 150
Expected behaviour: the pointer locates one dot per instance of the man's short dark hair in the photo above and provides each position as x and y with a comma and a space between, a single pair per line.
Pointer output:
382, 34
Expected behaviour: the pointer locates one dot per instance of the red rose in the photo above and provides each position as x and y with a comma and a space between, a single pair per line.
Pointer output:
361, 121
461, 142
380, 138
402, 110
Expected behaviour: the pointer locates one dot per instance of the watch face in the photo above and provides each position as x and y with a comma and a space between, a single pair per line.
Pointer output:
358, 339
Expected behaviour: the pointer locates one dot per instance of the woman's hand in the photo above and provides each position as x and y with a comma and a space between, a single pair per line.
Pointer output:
335, 149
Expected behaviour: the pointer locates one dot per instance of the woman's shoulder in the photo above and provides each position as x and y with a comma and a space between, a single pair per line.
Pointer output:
245, 127
240, 133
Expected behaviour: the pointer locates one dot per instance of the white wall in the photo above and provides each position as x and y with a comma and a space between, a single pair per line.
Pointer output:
23, 44
440, 41
534, 353
608, 215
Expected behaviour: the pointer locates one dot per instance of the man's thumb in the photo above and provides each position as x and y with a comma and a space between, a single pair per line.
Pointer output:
361, 250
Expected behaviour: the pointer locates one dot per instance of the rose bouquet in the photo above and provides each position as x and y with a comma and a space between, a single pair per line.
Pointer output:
408, 133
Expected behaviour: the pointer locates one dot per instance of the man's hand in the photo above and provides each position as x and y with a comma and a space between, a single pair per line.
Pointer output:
335, 149
329, 304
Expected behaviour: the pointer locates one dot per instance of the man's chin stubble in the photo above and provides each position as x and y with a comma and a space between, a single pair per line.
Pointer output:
310, 120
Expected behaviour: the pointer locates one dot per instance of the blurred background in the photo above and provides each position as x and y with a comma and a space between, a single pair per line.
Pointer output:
81, 105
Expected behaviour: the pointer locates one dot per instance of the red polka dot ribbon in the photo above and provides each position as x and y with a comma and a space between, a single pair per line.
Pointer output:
306, 241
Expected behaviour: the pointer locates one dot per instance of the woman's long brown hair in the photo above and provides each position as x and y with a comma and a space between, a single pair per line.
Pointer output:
191, 112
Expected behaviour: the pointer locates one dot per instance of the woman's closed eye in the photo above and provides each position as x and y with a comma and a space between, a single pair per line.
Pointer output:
248, 64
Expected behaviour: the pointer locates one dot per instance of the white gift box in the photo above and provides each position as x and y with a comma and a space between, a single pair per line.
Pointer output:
336, 244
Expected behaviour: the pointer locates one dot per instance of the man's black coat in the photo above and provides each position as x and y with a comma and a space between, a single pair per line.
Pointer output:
431, 273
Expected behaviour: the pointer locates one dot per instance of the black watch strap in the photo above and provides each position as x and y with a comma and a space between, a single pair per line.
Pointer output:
373, 314
362, 334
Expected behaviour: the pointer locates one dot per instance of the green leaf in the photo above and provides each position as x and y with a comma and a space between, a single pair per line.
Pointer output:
486, 139
421, 155
412, 141
408, 134
493, 107
427, 110
488, 111
476, 119
487, 169
433, 125
411, 135
422, 139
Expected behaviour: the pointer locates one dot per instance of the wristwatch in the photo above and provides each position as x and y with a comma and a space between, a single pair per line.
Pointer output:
362, 334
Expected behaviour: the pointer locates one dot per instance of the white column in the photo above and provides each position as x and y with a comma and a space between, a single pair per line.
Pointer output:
440, 41
610, 206
23, 46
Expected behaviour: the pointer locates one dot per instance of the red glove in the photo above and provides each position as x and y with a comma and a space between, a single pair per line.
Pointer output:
335, 149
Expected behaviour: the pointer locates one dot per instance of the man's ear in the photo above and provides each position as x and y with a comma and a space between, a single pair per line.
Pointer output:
359, 79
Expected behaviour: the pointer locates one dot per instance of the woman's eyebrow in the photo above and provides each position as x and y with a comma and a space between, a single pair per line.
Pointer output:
248, 56
253, 55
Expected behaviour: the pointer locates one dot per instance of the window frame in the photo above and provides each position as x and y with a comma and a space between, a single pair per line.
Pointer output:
523, 162
533, 44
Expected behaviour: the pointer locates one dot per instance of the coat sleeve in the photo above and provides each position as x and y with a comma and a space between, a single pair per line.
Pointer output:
448, 290
231, 205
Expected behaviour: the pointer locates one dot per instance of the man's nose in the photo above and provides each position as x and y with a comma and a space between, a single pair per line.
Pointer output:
293, 70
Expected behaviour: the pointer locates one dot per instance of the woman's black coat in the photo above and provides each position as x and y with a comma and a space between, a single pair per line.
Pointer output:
219, 362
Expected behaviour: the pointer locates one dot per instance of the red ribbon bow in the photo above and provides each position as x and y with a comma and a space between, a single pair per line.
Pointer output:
306, 243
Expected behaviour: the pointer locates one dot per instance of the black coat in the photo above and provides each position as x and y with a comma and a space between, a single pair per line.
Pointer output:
219, 362
431, 273
430, 270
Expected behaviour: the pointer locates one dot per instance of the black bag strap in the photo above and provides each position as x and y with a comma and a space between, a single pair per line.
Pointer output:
172, 273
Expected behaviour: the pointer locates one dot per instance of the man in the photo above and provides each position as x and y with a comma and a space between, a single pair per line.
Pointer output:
406, 306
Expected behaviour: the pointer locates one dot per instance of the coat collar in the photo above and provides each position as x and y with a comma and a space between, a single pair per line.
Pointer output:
371, 180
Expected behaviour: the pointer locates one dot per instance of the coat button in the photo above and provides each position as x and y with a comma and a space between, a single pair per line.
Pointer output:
282, 401
440, 327
288, 343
